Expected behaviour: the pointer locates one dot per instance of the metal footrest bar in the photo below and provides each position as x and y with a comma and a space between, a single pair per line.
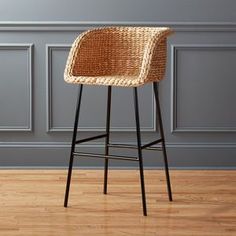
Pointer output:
129, 146
114, 157
91, 138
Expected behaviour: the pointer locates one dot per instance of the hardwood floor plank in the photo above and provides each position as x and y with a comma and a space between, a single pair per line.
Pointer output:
31, 203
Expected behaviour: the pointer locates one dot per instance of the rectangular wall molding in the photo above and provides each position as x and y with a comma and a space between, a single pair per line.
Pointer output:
29, 49
50, 48
175, 48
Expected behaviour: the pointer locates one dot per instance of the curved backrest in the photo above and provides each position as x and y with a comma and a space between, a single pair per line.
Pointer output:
120, 51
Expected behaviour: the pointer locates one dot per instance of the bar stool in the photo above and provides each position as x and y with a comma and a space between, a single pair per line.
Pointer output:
125, 57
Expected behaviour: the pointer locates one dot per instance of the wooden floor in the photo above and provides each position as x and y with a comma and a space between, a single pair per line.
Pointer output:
31, 203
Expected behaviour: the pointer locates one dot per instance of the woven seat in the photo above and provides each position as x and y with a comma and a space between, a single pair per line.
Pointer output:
118, 56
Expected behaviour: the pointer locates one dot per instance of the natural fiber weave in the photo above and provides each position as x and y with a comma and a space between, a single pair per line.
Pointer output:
118, 56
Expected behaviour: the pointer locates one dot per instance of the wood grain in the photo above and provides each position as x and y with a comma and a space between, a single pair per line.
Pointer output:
31, 203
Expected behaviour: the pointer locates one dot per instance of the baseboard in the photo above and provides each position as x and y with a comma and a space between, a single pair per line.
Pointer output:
112, 168
180, 157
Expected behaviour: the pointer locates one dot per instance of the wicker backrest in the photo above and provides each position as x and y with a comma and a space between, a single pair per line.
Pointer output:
139, 52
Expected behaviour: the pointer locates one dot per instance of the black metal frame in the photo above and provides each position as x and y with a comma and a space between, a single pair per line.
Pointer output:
108, 145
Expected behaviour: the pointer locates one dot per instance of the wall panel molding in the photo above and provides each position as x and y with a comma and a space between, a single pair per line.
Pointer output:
49, 50
175, 48
75, 26
29, 49
49, 121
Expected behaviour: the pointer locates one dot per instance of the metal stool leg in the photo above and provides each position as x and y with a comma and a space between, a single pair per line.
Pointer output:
73, 146
107, 138
139, 150
163, 140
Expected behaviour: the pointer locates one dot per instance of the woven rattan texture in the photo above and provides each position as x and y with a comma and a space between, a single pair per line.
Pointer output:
118, 56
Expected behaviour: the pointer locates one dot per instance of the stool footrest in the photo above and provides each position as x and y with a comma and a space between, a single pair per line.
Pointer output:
91, 138
114, 157
146, 146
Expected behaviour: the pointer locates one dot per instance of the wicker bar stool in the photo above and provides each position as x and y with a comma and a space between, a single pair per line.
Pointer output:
118, 56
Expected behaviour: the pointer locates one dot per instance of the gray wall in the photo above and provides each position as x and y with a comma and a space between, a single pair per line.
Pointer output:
197, 97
